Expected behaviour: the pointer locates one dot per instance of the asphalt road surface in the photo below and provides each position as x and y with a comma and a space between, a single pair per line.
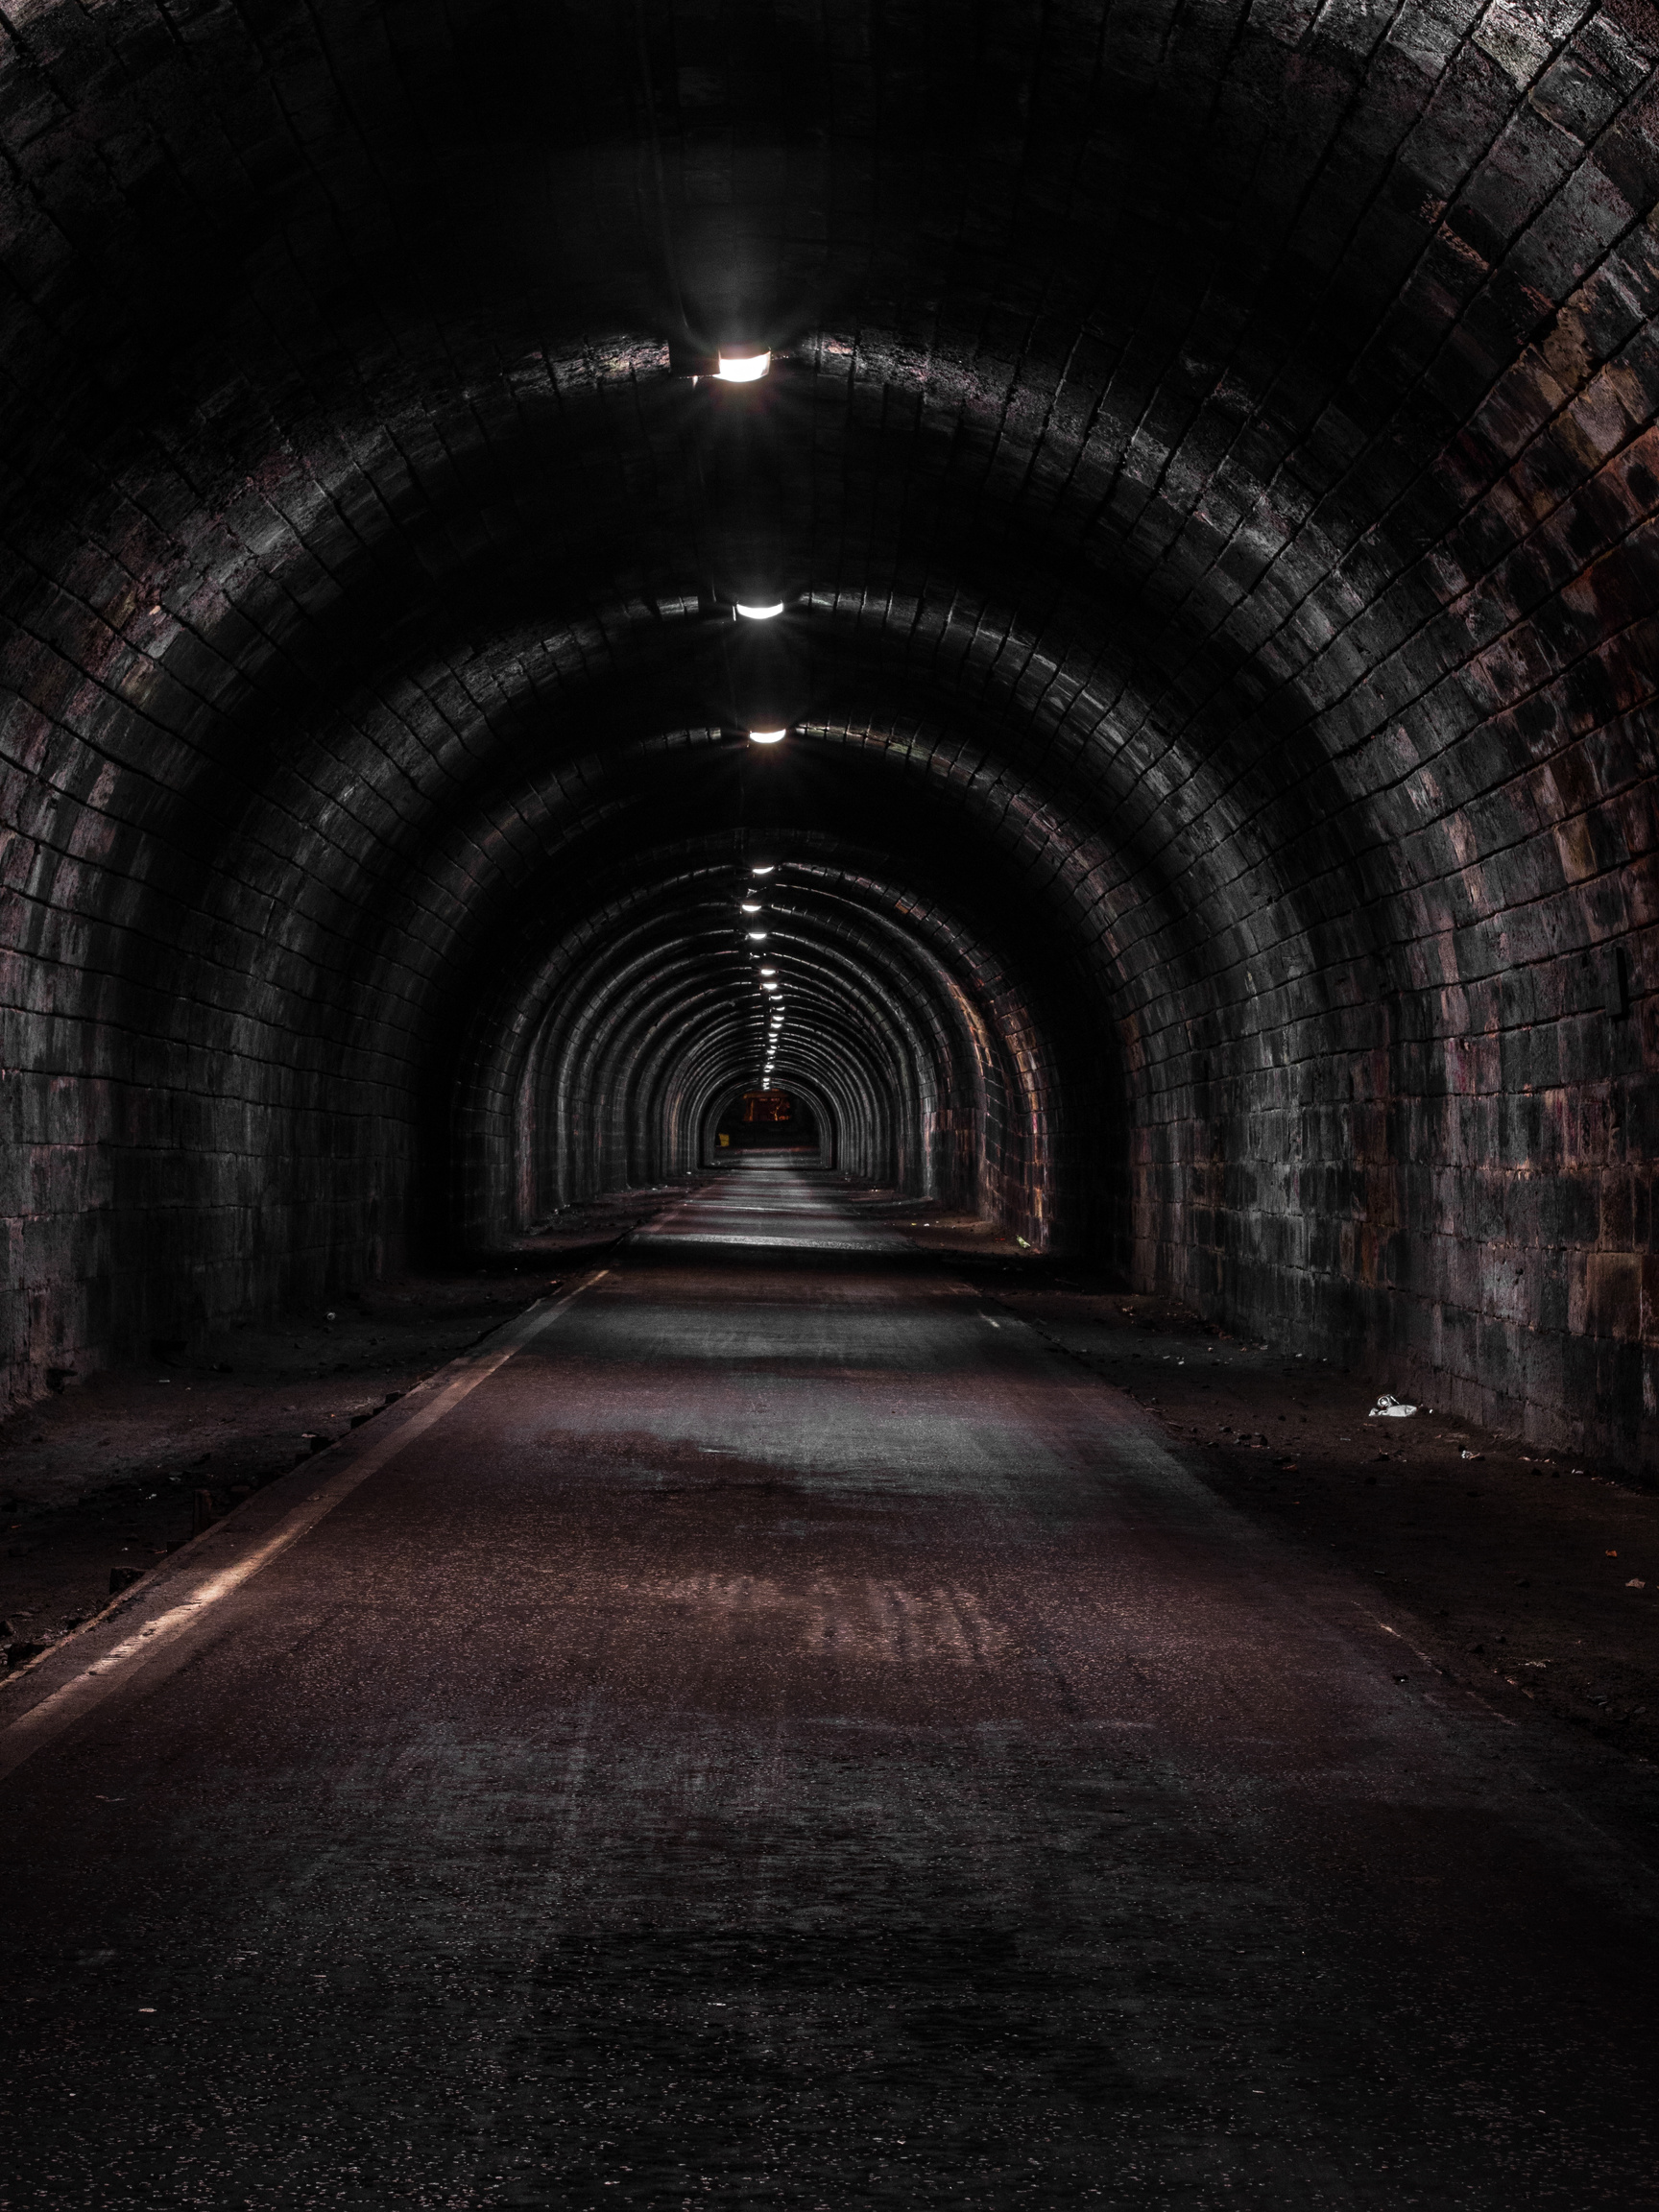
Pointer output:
768, 1731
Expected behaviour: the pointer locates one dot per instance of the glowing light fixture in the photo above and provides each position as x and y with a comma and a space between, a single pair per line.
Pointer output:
751, 907
743, 368
764, 870
767, 736
768, 971
759, 613
756, 936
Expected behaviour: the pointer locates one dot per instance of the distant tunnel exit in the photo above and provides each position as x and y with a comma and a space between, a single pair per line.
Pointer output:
768, 1121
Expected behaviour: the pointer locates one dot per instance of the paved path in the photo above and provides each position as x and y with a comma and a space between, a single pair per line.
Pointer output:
783, 1737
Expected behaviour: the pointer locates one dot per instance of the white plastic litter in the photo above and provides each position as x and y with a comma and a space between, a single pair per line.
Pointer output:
1387, 1409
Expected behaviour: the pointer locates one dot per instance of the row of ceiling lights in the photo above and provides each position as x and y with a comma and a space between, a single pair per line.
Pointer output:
770, 987
768, 976
749, 369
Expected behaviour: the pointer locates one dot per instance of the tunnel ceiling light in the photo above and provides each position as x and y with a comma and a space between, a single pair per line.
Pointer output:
763, 868
752, 906
768, 971
759, 613
756, 936
742, 368
768, 736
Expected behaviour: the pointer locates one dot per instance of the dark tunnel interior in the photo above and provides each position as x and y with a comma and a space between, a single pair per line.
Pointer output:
829, 911
1205, 464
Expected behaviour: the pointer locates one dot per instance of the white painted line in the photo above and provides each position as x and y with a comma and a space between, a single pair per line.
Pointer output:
1484, 1704
65, 1704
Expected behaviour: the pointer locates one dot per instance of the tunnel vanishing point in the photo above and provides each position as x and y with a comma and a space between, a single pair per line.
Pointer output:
1182, 481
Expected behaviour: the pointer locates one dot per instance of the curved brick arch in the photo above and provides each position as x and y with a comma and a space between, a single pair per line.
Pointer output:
612, 1010
1211, 458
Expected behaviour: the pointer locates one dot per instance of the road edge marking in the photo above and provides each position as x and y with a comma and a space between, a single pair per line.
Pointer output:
87, 1688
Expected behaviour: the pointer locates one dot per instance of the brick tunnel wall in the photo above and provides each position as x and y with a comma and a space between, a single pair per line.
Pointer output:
186, 1140
1222, 545
1420, 1129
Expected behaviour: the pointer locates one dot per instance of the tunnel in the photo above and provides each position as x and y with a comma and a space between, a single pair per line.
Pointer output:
1206, 481
647, 645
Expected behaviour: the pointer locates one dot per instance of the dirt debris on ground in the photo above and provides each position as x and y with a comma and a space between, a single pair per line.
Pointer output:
1527, 1574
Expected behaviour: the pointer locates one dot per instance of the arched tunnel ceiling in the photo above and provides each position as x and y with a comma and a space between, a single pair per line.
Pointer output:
1208, 456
